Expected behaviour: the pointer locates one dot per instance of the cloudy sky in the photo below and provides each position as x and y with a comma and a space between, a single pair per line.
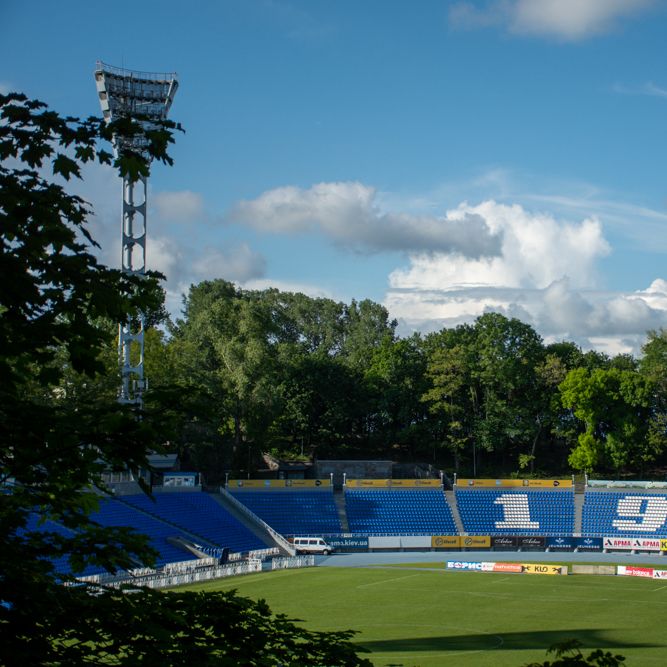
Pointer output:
444, 158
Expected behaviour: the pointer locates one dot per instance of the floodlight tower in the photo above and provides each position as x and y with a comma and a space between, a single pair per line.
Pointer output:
148, 96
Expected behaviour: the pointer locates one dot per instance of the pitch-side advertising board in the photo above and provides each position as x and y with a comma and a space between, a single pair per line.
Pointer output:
646, 572
515, 568
631, 543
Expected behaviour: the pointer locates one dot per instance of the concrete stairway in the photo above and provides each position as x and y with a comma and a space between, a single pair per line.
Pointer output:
578, 509
339, 499
451, 499
253, 526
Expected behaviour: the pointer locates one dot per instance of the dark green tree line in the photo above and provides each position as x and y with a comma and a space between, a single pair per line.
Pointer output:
301, 376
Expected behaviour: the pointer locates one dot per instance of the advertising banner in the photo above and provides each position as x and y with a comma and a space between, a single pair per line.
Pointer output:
464, 565
368, 483
411, 483
560, 543
660, 574
632, 543
617, 543
253, 483
632, 571
531, 542
588, 543
445, 542
549, 483
307, 483
646, 544
393, 483
278, 483
543, 568
344, 542
509, 483
663, 545
476, 542
504, 542
515, 568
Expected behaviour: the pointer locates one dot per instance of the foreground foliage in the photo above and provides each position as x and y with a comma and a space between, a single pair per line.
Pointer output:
569, 654
61, 428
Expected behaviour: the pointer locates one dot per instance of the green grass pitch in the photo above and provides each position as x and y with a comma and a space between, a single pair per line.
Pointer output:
424, 616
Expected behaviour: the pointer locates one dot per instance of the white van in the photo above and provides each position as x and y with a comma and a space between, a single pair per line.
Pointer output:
311, 545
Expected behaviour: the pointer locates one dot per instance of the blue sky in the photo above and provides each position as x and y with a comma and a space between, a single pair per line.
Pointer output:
442, 158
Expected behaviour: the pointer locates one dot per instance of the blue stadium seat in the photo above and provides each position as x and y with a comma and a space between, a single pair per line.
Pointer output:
293, 512
624, 514
200, 516
516, 512
398, 511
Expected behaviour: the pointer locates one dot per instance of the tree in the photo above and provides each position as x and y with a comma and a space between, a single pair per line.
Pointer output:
615, 407
568, 654
55, 443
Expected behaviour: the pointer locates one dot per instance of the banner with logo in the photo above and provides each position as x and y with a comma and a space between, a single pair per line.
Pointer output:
508, 483
663, 545
515, 568
588, 543
348, 542
531, 542
632, 543
368, 483
504, 542
279, 483
393, 483
464, 565
445, 542
411, 483
632, 571
476, 542
660, 574
560, 543
307, 483
543, 568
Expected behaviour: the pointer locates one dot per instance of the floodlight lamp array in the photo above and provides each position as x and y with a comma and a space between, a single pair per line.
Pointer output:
124, 92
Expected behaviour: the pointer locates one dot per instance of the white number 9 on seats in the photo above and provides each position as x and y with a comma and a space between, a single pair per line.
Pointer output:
648, 521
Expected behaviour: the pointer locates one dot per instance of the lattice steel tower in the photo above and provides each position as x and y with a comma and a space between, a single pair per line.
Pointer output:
126, 93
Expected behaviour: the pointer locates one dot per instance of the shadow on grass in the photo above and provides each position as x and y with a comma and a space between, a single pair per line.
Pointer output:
538, 639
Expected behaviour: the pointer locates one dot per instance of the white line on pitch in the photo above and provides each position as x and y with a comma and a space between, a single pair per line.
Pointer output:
384, 581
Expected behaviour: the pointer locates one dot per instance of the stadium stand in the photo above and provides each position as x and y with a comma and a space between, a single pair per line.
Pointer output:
34, 524
199, 515
624, 514
293, 512
398, 511
114, 512
516, 512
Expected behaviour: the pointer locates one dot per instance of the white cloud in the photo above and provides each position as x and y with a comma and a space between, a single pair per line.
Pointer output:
349, 214
649, 88
544, 276
237, 263
314, 291
563, 19
184, 206
536, 250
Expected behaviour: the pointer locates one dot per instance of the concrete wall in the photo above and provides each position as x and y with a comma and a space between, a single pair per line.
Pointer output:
354, 470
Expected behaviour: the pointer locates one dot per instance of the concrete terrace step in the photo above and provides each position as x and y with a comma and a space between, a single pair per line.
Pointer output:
451, 499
